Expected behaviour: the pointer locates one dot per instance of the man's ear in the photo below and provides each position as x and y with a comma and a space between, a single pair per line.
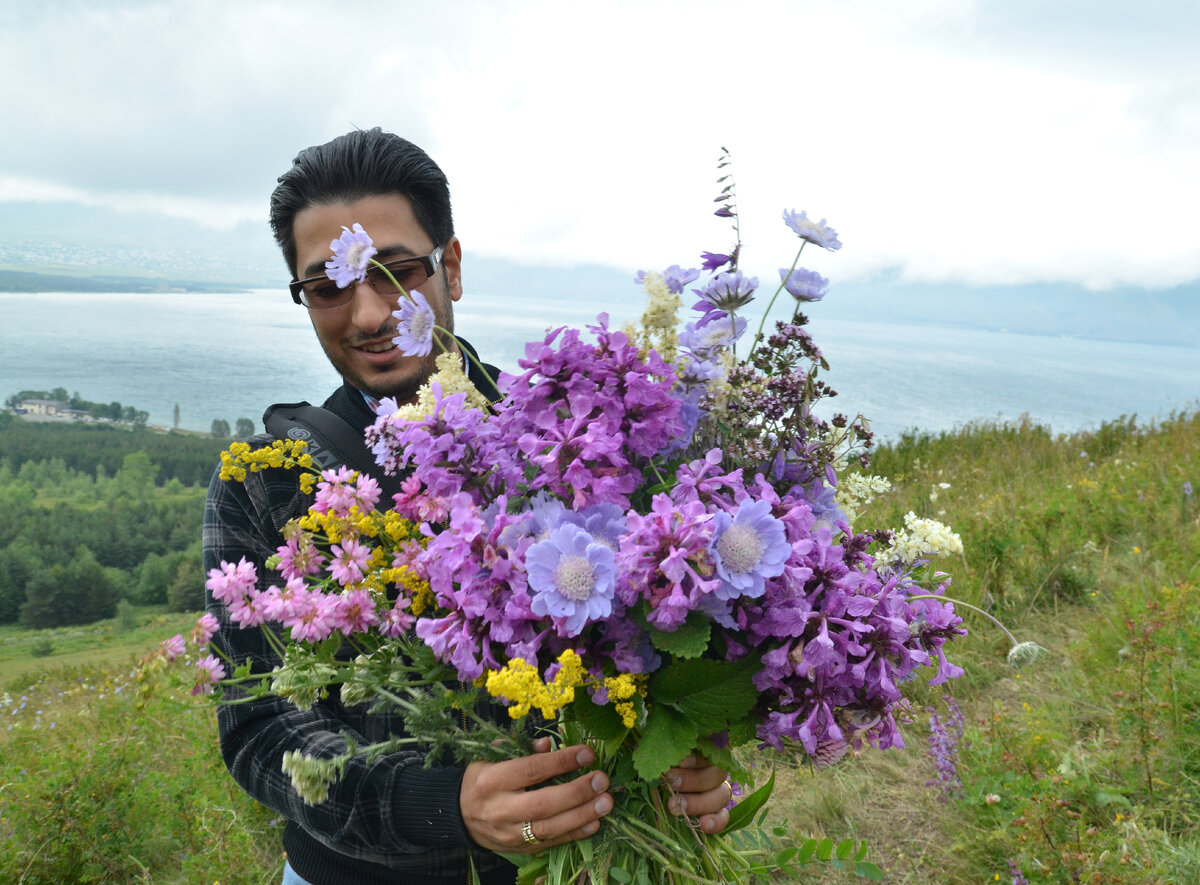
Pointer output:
452, 262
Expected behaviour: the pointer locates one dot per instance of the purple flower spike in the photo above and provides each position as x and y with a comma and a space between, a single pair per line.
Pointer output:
728, 291
816, 232
804, 285
573, 578
352, 254
415, 332
747, 549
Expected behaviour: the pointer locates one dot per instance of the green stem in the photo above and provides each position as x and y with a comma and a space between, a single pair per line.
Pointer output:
973, 608
758, 335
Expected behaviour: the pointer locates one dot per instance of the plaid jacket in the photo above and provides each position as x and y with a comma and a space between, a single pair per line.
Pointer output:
389, 821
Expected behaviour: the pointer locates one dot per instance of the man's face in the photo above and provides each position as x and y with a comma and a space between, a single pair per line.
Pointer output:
357, 337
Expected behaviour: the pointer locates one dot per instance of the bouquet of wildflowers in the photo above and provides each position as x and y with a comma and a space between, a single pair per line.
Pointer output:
643, 541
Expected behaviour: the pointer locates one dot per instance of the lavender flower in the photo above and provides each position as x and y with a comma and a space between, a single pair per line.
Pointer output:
573, 578
415, 332
715, 260
747, 549
676, 277
804, 285
1187, 489
706, 339
816, 232
728, 291
352, 254
944, 738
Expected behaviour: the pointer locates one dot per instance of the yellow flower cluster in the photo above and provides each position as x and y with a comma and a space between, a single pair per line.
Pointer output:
288, 453
416, 588
621, 689
522, 685
451, 376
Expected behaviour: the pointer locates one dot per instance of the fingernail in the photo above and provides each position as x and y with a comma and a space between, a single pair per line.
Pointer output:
591, 828
675, 781
585, 756
598, 782
678, 805
603, 805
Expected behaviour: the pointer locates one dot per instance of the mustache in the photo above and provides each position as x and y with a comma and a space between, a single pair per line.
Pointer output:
387, 331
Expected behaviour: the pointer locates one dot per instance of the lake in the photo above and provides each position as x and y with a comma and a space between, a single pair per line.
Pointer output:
230, 355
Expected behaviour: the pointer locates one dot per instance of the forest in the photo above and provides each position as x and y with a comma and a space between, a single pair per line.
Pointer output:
96, 515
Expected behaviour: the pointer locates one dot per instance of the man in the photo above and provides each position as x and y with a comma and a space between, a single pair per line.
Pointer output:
390, 820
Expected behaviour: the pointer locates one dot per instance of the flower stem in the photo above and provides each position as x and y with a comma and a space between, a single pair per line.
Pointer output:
771, 303
973, 608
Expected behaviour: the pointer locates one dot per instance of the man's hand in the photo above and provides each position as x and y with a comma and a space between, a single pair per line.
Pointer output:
498, 798
702, 791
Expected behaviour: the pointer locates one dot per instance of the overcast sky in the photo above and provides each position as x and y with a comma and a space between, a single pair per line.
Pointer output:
996, 141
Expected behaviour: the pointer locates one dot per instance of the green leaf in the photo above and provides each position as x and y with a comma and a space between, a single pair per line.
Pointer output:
825, 849
743, 813
602, 722
620, 875
807, 850
667, 738
862, 850
868, 871
844, 849
689, 640
710, 693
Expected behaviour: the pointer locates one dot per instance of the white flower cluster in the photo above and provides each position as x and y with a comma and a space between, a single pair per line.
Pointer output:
922, 539
856, 491
451, 376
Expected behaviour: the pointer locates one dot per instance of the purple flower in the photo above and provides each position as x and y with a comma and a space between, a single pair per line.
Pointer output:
573, 578
747, 549
816, 232
714, 260
706, 339
728, 291
415, 332
676, 277
352, 254
724, 212
1187, 488
804, 285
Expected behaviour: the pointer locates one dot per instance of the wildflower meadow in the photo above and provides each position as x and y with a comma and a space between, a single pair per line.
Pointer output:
1081, 767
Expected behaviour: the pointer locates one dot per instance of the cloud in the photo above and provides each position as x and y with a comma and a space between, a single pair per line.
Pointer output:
985, 142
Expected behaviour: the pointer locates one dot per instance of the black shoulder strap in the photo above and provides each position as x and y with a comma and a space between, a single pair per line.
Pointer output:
331, 441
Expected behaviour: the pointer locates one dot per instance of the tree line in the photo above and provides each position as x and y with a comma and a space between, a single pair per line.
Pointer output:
113, 411
81, 535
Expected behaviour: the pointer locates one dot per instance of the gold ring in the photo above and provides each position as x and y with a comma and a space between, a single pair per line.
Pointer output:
730, 786
530, 839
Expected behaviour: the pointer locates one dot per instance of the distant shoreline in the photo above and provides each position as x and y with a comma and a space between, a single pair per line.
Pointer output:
28, 282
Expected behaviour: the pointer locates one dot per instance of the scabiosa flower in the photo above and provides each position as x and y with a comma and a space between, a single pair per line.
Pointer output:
415, 333
804, 285
209, 671
352, 254
573, 577
816, 232
706, 339
748, 548
728, 291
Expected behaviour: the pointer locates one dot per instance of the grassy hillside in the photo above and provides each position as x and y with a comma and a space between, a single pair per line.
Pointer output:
1082, 767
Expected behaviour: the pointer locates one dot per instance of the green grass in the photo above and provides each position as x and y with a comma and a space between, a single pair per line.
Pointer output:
1083, 767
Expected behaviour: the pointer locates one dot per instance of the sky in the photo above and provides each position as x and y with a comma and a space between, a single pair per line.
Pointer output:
981, 142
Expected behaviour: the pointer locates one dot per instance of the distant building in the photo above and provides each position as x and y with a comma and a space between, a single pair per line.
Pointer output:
47, 407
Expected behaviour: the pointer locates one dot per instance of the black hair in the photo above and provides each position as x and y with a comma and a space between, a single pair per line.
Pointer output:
361, 163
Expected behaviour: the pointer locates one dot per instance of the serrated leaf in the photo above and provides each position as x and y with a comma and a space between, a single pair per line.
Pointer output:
601, 722
825, 849
667, 738
743, 813
689, 640
710, 693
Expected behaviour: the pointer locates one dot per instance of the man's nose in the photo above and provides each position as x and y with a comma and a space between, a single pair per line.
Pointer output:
369, 309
